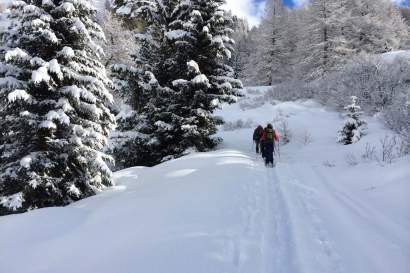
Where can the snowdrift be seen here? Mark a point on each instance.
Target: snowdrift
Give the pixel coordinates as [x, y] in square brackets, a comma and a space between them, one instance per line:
[176, 217]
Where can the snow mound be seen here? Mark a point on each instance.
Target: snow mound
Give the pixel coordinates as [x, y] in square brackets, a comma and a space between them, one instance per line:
[177, 212]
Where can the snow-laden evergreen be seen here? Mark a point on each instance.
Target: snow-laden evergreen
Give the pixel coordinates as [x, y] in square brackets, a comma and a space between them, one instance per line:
[54, 115]
[354, 126]
[180, 76]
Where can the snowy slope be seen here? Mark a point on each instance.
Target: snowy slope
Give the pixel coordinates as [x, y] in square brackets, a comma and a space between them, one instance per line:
[223, 211]
[100, 5]
[391, 56]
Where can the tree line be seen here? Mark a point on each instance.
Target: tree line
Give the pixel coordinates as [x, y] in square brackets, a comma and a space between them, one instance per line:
[331, 50]
[309, 42]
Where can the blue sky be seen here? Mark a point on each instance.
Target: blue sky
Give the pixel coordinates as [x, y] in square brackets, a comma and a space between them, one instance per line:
[253, 9]
[291, 3]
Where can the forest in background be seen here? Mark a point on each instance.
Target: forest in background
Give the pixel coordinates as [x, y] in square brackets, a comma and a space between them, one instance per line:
[331, 50]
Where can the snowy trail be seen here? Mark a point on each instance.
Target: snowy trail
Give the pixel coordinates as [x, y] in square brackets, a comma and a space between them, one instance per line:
[224, 212]
[310, 226]
[334, 225]
[315, 221]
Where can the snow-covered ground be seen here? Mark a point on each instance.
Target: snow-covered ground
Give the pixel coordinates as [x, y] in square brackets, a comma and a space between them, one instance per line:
[224, 212]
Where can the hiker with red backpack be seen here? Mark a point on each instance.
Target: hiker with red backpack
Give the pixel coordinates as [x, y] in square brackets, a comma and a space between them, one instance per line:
[257, 137]
[268, 144]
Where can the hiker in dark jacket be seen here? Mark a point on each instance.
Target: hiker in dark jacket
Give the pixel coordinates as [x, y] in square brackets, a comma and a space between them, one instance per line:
[257, 136]
[268, 143]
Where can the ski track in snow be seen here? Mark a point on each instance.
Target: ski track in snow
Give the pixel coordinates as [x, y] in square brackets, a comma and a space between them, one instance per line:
[302, 199]
[278, 229]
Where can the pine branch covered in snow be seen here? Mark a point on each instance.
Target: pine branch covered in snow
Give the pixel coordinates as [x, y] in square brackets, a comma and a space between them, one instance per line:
[55, 116]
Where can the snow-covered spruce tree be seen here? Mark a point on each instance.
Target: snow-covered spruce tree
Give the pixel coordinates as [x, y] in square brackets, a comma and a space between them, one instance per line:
[55, 120]
[212, 46]
[206, 78]
[143, 133]
[197, 123]
[354, 126]
[181, 75]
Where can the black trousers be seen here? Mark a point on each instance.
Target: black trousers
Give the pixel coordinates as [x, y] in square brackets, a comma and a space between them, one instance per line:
[258, 146]
[268, 149]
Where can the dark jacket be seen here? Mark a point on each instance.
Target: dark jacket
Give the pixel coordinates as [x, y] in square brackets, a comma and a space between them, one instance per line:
[258, 134]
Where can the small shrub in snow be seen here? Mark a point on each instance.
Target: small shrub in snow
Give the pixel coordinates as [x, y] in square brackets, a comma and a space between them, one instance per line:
[351, 159]
[239, 124]
[391, 147]
[388, 149]
[307, 137]
[354, 127]
[369, 153]
[403, 147]
[329, 164]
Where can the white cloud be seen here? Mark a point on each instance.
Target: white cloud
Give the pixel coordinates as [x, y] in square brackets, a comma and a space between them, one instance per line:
[399, 1]
[299, 3]
[246, 9]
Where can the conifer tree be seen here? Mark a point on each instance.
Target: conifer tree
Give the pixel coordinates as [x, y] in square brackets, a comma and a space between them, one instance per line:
[180, 77]
[213, 46]
[354, 127]
[147, 132]
[265, 60]
[56, 117]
